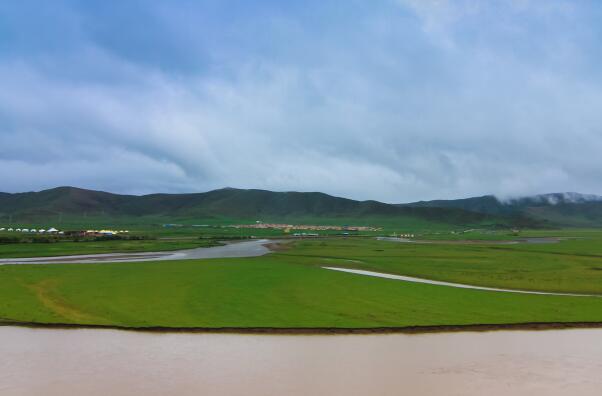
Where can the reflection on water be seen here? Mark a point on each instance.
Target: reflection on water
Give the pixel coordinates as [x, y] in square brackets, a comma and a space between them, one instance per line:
[108, 362]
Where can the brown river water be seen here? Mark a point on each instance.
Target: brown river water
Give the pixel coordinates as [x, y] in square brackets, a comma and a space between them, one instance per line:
[58, 362]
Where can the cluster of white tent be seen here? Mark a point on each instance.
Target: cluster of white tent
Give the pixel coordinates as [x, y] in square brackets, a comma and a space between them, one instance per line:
[51, 230]
[106, 232]
[394, 235]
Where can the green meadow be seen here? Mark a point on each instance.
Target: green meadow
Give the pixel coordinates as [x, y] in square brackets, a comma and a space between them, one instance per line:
[570, 266]
[290, 289]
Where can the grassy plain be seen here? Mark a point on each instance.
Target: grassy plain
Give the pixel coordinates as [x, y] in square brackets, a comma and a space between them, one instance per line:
[290, 289]
[571, 266]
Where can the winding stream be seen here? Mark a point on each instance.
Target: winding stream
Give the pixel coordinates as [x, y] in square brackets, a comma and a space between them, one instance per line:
[451, 284]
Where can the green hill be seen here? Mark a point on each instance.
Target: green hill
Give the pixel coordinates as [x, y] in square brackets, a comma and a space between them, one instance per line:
[560, 209]
[239, 205]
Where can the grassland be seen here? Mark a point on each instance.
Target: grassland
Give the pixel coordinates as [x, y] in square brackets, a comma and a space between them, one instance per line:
[156, 237]
[289, 289]
[570, 266]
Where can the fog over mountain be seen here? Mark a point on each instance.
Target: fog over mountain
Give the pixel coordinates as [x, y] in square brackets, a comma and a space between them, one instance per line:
[556, 209]
[394, 100]
[553, 198]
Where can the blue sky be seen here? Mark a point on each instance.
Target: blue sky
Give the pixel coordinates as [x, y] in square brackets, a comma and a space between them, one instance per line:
[396, 100]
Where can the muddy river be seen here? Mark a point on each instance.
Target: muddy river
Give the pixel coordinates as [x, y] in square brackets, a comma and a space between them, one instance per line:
[252, 248]
[109, 362]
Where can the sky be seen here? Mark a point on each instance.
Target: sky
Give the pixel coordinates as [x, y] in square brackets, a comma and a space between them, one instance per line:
[393, 100]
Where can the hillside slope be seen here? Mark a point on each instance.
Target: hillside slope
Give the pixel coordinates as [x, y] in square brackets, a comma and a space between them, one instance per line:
[562, 209]
[230, 203]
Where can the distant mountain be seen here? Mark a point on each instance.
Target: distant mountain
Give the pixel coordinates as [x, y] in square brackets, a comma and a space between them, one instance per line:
[241, 205]
[563, 209]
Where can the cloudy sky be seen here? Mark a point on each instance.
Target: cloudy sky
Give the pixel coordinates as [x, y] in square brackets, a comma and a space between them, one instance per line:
[395, 100]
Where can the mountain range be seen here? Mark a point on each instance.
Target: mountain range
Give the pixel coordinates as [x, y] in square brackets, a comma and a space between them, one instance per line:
[231, 204]
[559, 209]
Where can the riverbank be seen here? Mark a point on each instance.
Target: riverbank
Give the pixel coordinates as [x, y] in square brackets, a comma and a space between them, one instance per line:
[535, 326]
[247, 248]
[121, 246]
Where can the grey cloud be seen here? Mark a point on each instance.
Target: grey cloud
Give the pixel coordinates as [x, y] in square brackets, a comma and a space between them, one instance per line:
[390, 113]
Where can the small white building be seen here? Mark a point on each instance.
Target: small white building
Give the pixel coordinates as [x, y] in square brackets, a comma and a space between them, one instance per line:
[52, 230]
[33, 230]
[24, 230]
[10, 229]
[2, 229]
[41, 230]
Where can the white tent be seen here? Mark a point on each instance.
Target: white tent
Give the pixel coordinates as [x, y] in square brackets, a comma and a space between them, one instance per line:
[52, 229]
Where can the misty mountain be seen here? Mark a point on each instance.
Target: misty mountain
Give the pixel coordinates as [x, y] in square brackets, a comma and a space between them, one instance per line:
[562, 209]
